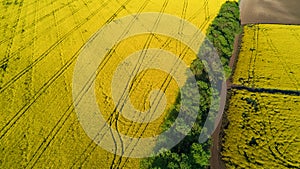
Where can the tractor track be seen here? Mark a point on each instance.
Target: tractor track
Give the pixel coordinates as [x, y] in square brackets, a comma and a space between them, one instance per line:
[117, 162]
[33, 39]
[21, 112]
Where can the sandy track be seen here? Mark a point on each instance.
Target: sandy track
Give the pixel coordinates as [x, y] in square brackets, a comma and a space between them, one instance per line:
[270, 11]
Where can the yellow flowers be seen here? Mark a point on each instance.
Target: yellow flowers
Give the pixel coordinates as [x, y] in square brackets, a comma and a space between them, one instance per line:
[262, 128]
[269, 57]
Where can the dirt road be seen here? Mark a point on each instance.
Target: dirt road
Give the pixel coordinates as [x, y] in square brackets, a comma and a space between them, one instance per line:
[270, 11]
[215, 160]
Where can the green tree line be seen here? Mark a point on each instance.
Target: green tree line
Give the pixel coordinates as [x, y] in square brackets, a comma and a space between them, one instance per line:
[189, 153]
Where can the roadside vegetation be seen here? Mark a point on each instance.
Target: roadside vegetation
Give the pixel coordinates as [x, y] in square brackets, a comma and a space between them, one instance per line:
[189, 153]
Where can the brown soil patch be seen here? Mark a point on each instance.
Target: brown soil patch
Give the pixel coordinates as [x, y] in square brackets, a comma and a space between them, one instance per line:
[270, 11]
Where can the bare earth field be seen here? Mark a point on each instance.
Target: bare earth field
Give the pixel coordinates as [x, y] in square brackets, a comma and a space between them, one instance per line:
[270, 11]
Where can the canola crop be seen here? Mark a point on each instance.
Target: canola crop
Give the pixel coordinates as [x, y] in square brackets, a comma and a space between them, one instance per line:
[269, 57]
[261, 127]
[263, 131]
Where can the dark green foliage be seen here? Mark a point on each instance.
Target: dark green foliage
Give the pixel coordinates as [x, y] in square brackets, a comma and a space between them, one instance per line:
[197, 157]
[223, 30]
[189, 153]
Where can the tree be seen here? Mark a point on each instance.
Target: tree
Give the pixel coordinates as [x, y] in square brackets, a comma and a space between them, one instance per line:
[189, 153]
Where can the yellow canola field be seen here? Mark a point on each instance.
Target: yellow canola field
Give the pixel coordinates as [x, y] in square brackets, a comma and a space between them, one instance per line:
[263, 131]
[39, 44]
[145, 82]
[269, 57]
[262, 119]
